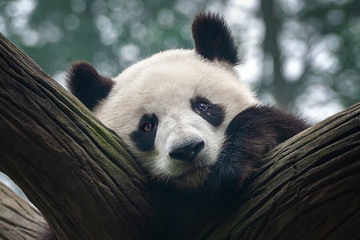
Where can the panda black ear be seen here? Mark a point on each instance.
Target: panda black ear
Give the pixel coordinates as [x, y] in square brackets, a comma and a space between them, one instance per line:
[87, 84]
[213, 38]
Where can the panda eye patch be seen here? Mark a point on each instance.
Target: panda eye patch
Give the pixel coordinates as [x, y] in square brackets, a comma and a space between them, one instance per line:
[144, 136]
[212, 113]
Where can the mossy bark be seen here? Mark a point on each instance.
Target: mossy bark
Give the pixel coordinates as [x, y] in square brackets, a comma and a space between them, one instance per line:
[67, 163]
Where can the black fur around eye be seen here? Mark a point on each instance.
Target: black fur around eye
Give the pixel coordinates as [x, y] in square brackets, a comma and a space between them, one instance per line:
[144, 137]
[212, 113]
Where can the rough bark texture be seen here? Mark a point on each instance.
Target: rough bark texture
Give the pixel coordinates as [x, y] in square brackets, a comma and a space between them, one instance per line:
[18, 219]
[68, 164]
[87, 186]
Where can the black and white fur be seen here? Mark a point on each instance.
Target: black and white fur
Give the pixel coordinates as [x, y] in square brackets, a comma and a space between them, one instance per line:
[185, 114]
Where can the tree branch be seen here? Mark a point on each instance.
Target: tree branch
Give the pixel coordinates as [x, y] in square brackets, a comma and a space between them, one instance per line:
[68, 164]
[18, 219]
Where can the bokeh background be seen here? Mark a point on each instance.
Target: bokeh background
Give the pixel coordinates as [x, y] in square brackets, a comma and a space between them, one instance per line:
[302, 55]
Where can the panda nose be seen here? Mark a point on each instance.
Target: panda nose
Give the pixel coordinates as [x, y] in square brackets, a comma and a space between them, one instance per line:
[187, 152]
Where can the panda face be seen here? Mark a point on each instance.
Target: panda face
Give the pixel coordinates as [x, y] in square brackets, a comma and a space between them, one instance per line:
[172, 111]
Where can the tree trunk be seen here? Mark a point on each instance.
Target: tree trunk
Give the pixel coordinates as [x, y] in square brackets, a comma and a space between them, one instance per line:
[273, 78]
[74, 170]
[18, 219]
[78, 174]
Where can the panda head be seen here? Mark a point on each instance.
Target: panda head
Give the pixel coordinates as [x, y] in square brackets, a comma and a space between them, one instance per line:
[173, 108]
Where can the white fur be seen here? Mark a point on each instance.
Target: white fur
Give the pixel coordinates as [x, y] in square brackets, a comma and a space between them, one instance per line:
[164, 84]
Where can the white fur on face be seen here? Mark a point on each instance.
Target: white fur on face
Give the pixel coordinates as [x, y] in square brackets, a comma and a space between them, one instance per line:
[163, 85]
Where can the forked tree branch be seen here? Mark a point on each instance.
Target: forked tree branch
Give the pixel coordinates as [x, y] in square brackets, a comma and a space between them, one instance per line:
[79, 175]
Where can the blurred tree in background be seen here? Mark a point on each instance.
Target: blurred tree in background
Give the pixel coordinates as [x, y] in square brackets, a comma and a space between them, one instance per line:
[111, 34]
[299, 54]
[311, 50]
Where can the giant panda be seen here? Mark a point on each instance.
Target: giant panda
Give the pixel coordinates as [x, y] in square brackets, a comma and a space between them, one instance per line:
[185, 114]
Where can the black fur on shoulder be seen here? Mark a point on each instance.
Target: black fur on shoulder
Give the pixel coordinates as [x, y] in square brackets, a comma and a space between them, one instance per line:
[213, 38]
[87, 84]
[48, 234]
[250, 135]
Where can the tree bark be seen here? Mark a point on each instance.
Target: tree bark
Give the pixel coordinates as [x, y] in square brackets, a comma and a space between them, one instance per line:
[73, 169]
[78, 174]
[18, 219]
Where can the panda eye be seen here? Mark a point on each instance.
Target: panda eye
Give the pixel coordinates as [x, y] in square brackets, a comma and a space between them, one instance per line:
[148, 127]
[145, 134]
[212, 112]
[203, 106]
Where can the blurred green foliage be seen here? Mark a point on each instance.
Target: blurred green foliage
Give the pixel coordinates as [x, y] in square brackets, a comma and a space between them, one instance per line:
[110, 34]
[328, 34]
